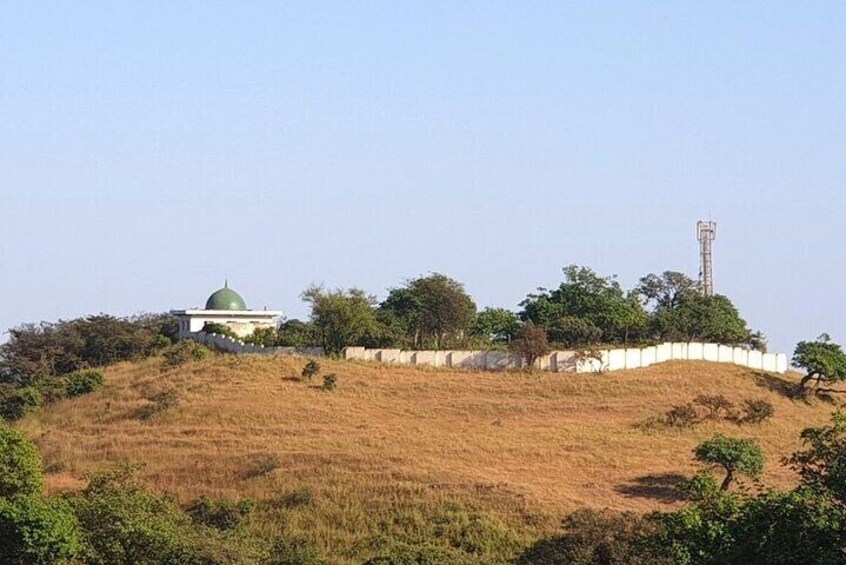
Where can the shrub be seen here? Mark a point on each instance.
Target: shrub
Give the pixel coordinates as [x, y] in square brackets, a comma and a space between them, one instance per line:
[220, 329]
[400, 553]
[596, 537]
[126, 524]
[21, 402]
[34, 530]
[83, 382]
[302, 496]
[530, 344]
[330, 381]
[20, 464]
[681, 416]
[160, 402]
[717, 405]
[311, 369]
[756, 411]
[52, 389]
[293, 552]
[263, 466]
[180, 353]
[262, 336]
[220, 513]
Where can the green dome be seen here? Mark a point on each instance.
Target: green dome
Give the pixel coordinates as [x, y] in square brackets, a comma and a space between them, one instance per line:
[225, 299]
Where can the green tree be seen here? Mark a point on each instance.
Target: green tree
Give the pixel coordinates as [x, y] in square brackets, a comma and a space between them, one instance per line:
[703, 318]
[530, 343]
[35, 530]
[430, 310]
[733, 455]
[296, 333]
[341, 317]
[822, 464]
[823, 362]
[20, 464]
[667, 291]
[597, 302]
[497, 325]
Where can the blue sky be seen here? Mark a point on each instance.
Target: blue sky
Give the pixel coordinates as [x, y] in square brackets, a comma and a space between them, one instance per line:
[150, 150]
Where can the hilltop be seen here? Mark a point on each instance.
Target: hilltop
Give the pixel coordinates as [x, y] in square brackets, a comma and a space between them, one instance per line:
[394, 443]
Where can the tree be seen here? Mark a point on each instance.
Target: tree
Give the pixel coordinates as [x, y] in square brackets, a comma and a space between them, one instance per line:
[668, 290]
[530, 343]
[20, 464]
[341, 317]
[704, 318]
[296, 333]
[733, 455]
[822, 464]
[586, 305]
[35, 530]
[430, 310]
[497, 325]
[823, 362]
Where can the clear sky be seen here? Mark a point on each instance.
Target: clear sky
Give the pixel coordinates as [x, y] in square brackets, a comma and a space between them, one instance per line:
[148, 150]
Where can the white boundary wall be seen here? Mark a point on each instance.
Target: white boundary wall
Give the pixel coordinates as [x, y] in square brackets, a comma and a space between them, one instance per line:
[571, 362]
[556, 362]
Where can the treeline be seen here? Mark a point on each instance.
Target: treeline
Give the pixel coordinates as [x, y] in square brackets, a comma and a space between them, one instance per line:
[436, 312]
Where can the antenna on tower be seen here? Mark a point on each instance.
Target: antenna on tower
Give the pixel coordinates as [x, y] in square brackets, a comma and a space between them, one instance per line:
[706, 232]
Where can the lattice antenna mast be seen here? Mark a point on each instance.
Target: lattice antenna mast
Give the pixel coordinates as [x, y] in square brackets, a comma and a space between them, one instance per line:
[706, 232]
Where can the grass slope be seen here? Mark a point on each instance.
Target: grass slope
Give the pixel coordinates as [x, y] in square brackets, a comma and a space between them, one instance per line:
[394, 449]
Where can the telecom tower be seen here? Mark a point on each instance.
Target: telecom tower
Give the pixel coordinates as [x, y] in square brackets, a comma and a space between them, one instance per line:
[706, 232]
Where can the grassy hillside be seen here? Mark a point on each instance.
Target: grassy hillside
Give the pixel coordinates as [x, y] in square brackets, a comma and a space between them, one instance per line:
[395, 451]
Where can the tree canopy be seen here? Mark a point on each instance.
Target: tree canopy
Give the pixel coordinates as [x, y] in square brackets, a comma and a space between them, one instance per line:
[341, 317]
[733, 455]
[822, 360]
[432, 310]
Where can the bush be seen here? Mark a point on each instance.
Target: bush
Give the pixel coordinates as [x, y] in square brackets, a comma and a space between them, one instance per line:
[330, 381]
[293, 552]
[311, 369]
[263, 466]
[596, 537]
[717, 405]
[83, 382]
[180, 353]
[220, 329]
[34, 530]
[682, 416]
[530, 344]
[160, 402]
[756, 411]
[21, 402]
[220, 513]
[126, 524]
[20, 464]
[400, 553]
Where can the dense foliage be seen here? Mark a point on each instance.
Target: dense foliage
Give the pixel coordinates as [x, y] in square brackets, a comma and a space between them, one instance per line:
[38, 351]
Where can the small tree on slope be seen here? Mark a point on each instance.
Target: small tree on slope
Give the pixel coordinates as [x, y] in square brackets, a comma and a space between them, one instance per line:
[733, 455]
[823, 362]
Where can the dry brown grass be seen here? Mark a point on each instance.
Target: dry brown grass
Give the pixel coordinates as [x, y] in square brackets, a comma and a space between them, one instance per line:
[527, 448]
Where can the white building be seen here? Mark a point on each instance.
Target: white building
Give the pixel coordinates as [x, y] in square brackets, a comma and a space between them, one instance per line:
[227, 308]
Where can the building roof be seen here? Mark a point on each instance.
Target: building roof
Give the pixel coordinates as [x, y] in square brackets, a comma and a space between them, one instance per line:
[225, 299]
